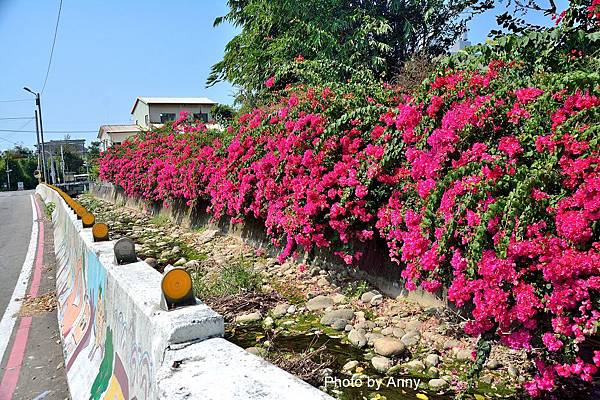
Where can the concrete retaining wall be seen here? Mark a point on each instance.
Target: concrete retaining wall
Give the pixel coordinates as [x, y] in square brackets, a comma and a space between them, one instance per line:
[119, 344]
[375, 266]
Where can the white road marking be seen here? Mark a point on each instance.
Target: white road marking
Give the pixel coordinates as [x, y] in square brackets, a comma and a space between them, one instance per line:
[9, 318]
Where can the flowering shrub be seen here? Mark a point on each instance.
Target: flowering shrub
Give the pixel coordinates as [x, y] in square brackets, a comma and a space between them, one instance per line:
[485, 181]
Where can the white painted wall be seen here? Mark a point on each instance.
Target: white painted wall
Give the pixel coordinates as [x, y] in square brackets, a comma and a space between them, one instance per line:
[119, 343]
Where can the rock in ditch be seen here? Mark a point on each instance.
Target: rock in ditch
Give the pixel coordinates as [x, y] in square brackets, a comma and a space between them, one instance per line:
[357, 338]
[437, 384]
[246, 318]
[381, 364]
[280, 310]
[331, 316]
[319, 303]
[388, 347]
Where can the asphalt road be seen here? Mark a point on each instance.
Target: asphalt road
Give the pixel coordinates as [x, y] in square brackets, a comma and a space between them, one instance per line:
[31, 365]
[15, 232]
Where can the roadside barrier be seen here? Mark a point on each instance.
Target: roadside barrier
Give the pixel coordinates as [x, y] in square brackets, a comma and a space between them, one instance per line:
[120, 342]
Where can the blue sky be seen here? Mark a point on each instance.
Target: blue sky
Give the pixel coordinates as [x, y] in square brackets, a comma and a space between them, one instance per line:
[108, 52]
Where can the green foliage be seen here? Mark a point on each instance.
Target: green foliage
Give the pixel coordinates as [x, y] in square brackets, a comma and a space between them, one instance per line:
[49, 209]
[160, 220]
[22, 163]
[322, 41]
[223, 114]
[356, 289]
[238, 277]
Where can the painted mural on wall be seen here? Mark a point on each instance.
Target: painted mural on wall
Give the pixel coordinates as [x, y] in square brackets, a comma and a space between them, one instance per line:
[103, 360]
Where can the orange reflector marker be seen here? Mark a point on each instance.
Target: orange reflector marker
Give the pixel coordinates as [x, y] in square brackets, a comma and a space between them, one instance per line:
[88, 220]
[100, 232]
[177, 290]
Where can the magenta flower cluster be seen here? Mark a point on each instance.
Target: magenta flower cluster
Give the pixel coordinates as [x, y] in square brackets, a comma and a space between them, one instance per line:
[476, 184]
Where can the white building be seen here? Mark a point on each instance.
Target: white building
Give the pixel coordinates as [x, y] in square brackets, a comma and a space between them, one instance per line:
[152, 111]
[115, 134]
[149, 112]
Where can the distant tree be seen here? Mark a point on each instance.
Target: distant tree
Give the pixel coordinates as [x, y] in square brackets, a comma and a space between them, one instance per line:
[22, 164]
[93, 154]
[73, 160]
[222, 113]
[289, 41]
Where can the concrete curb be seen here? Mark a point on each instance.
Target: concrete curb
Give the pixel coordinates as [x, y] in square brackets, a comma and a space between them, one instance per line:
[119, 343]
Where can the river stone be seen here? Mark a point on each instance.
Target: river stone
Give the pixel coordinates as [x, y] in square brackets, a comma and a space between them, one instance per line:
[268, 322]
[292, 309]
[415, 365]
[350, 365]
[432, 360]
[339, 298]
[357, 338]
[413, 325]
[398, 332]
[151, 262]
[250, 317]
[464, 354]
[331, 316]
[387, 331]
[180, 262]
[280, 310]
[319, 303]
[437, 384]
[376, 300]
[339, 324]
[493, 364]
[388, 347]
[381, 364]
[372, 337]
[411, 338]
[368, 296]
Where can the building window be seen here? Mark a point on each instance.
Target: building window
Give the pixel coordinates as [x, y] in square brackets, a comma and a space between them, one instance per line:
[167, 117]
[201, 117]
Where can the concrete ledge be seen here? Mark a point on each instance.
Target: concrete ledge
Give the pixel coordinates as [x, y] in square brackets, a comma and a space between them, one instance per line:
[221, 370]
[119, 344]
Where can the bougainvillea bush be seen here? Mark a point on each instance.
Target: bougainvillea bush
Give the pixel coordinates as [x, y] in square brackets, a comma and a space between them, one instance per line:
[485, 180]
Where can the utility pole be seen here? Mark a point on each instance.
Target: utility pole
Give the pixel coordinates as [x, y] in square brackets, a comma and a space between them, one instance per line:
[38, 103]
[8, 171]
[39, 146]
[62, 157]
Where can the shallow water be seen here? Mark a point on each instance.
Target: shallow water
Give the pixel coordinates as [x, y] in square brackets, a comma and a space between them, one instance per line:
[293, 341]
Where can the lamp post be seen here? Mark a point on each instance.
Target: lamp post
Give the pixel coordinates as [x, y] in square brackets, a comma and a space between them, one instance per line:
[38, 103]
[8, 171]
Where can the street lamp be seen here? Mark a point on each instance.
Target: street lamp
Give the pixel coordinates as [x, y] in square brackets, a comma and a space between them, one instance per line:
[38, 103]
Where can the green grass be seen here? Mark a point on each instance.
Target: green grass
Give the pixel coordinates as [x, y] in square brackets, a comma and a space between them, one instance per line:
[356, 289]
[191, 253]
[230, 280]
[160, 220]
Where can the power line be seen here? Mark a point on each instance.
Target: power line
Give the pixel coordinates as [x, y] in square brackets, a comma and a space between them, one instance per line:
[5, 118]
[53, 43]
[45, 131]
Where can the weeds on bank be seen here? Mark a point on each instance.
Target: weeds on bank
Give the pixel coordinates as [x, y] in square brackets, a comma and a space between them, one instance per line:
[49, 208]
[356, 289]
[160, 220]
[236, 278]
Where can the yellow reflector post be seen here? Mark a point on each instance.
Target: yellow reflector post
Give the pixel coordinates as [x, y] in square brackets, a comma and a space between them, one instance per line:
[88, 219]
[100, 232]
[177, 290]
